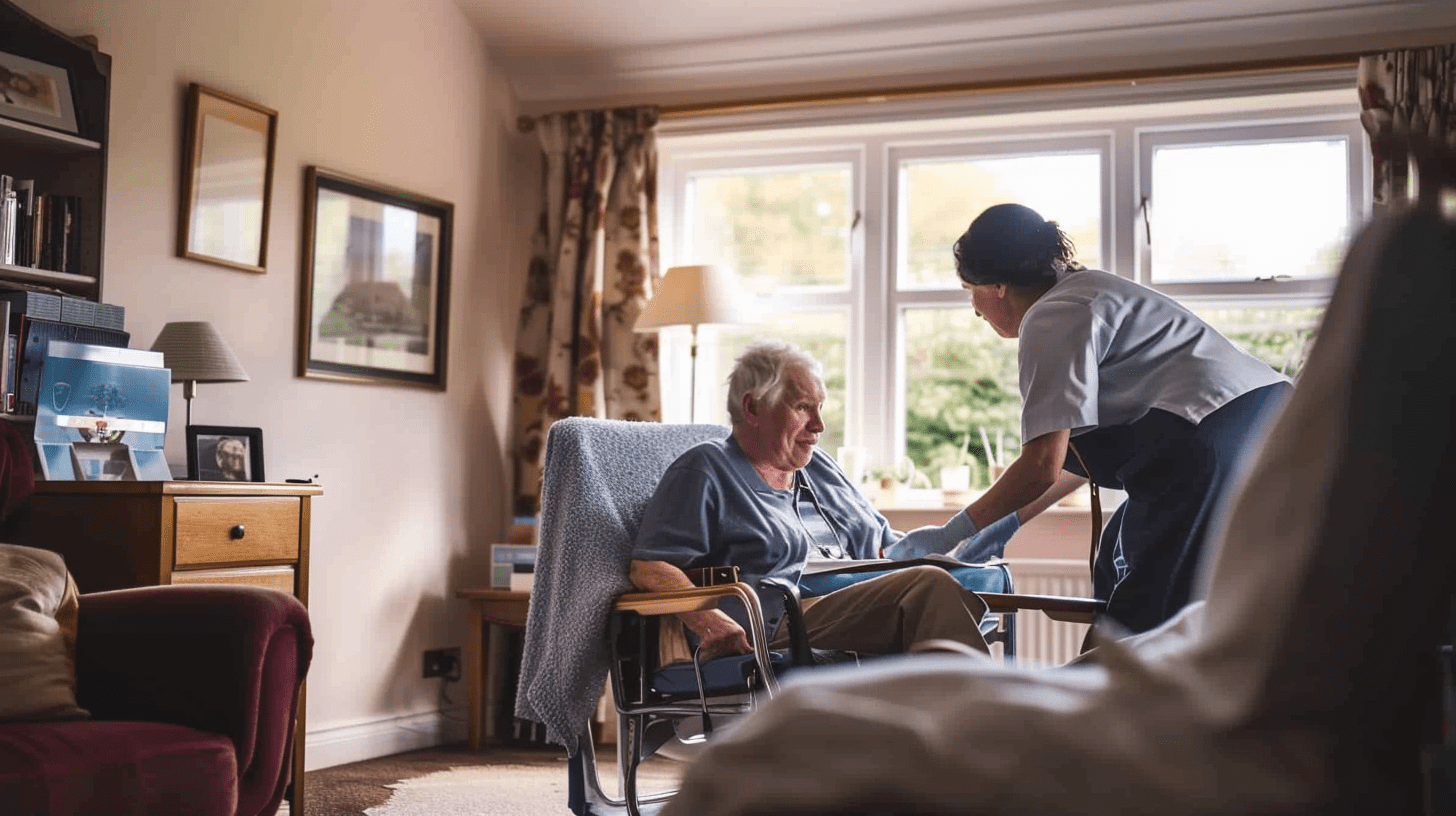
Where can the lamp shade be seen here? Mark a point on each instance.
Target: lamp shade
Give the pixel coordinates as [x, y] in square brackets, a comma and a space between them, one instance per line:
[693, 296]
[197, 353]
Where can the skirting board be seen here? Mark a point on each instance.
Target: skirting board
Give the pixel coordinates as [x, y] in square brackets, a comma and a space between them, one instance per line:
[327, 747]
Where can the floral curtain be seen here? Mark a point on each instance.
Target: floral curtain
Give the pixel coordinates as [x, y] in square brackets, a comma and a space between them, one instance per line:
[1406, 92]
[593, 261]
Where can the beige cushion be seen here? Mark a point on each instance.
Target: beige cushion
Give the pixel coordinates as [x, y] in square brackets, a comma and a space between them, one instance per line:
[38, 610]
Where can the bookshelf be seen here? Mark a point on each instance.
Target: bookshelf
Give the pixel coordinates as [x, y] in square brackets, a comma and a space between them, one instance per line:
[60, 163]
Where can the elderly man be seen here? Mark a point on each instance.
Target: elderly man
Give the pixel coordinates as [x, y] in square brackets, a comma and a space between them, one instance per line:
[768, 501]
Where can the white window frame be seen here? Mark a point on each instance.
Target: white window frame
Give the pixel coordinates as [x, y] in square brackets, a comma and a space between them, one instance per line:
[1291, 126]
[877, 141]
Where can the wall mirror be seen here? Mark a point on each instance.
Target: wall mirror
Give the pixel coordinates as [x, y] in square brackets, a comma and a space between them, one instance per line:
[227, 180]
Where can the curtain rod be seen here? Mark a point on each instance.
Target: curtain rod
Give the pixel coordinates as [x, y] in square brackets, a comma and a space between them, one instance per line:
[528, 123]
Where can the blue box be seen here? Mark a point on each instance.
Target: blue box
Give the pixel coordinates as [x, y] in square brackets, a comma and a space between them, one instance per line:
[101, 413]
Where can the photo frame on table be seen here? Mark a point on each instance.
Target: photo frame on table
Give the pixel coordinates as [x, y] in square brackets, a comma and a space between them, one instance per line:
[227, 180]
[37, 93]
[224, 453]
[375, 303]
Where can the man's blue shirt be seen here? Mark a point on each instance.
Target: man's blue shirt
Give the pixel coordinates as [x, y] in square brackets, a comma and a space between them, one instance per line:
[713, 509]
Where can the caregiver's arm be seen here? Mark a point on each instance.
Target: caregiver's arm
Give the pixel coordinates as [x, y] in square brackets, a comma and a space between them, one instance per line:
[1065, 484]
[1027, 481]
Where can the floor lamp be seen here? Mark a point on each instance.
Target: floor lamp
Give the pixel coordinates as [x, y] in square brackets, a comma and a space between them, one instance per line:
[694, 296]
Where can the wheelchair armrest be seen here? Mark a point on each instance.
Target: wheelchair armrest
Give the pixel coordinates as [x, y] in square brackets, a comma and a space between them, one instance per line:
[678, 601]
[799, 652]
[1056, 607]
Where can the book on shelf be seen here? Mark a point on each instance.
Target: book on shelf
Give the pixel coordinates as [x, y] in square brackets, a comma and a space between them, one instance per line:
[40, 230]
[9, 213]
[7, 388]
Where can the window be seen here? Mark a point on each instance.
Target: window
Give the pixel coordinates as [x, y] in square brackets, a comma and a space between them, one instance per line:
[1238, 205]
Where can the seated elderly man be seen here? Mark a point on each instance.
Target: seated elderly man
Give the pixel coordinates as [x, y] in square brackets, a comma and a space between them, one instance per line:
[768, 501]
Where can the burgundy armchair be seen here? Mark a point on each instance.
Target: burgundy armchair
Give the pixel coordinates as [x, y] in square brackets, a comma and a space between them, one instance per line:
[193, 692]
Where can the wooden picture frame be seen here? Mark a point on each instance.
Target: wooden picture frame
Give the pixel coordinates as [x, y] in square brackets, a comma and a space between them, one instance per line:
[375, 304]
[224, 453]
[227, 180]
[36, 93]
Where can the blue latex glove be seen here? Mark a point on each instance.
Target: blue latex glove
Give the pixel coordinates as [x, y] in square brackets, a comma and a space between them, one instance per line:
[958, 538]
[989, 542]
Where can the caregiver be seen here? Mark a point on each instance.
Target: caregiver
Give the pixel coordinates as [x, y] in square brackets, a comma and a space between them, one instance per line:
[1122, 384]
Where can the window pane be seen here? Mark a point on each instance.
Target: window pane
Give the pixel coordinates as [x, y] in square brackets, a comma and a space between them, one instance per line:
[774, 227]
[1246, 211]
[960, 377]
[940, 197]
[825, 335]
[1278, 336]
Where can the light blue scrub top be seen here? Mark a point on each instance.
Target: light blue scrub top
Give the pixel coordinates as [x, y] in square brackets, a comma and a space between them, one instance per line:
[1098, 350]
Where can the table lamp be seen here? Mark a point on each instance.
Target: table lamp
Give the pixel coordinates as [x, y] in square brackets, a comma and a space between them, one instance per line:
[196, 353]
[694, 296]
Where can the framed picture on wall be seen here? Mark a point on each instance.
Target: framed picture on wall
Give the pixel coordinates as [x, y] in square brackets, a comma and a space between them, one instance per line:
[222, 453]
[375, 304]
[37, 93]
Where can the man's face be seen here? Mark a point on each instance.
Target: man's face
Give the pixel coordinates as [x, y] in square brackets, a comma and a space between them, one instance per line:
[231, 458]
[790, 429]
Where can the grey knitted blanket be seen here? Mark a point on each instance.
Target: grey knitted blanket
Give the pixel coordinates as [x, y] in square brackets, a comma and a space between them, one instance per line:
[599, 474]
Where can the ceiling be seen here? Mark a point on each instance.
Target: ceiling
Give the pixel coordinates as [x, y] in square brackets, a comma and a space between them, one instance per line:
[560, 52]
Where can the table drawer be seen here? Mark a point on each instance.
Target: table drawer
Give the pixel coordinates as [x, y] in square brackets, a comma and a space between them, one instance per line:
[271, 577]
[204, 530]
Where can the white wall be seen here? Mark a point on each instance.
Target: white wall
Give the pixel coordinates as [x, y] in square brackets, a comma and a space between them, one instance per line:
[415, 486]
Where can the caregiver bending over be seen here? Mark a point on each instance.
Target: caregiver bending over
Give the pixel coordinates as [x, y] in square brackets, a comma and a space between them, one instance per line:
[1117, 376]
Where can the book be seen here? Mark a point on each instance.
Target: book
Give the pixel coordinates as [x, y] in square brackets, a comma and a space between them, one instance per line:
[42, 305]
[45, 304]
[25, 222]
[6, 367]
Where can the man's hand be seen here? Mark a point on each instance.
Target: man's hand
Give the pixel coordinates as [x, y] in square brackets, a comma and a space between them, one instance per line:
[717, 633]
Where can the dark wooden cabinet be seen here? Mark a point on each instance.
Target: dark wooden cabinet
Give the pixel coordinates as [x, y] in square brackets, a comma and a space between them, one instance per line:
[61, 163]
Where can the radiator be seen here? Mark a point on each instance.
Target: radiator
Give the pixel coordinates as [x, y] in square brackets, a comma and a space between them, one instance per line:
[1041, 641]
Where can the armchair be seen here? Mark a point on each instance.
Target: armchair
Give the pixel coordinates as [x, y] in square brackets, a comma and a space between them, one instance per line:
[193, 694]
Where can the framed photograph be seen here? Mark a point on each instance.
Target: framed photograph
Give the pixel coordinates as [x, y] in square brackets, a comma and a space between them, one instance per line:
[376, 283]
[221, 453]
[227, 180]
[37, 93]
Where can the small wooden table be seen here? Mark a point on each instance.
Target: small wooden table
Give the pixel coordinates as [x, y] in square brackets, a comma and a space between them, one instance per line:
[490, 609]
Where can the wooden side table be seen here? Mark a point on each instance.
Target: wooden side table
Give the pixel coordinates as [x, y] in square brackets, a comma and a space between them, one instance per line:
[116, 535]
[490, 609]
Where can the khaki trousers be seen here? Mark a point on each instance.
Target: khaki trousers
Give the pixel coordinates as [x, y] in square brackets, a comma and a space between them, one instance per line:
[891, 613]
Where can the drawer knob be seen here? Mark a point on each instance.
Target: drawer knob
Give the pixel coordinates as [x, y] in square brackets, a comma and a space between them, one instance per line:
[237, 532]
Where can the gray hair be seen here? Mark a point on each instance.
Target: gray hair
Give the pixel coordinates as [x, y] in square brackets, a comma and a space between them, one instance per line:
[760, 372]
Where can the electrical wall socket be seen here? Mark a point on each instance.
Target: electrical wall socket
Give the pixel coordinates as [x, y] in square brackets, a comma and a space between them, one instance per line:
[443, 663]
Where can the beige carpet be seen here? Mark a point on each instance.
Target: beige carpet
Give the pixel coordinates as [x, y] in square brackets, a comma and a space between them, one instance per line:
[453, 781]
